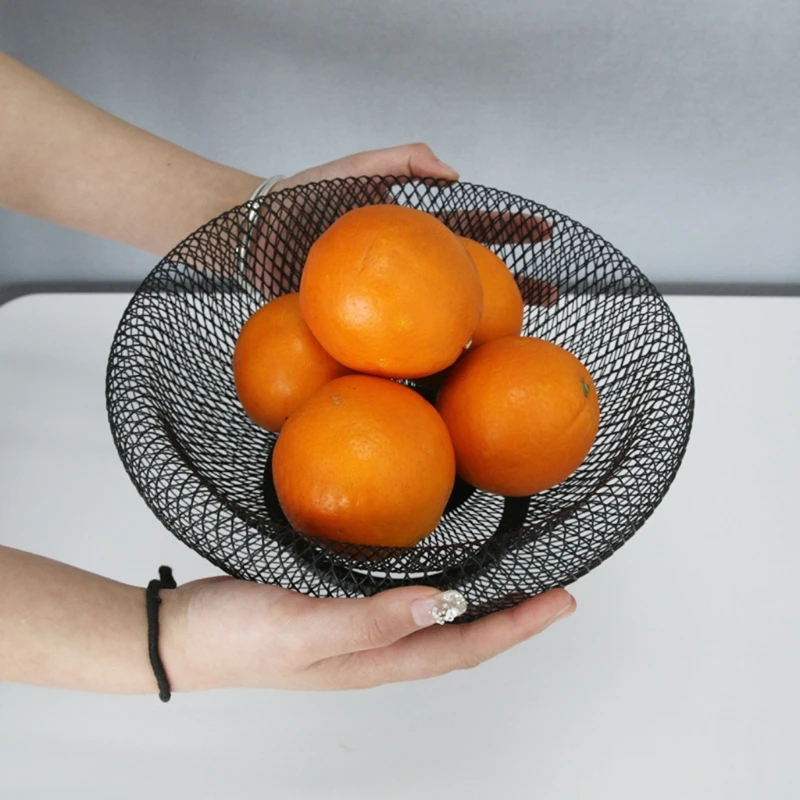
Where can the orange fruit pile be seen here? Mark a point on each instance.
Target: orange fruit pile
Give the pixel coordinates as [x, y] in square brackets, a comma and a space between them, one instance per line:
[391, 293]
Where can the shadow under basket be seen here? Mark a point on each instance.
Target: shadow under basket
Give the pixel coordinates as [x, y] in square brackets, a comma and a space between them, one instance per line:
[204, 468]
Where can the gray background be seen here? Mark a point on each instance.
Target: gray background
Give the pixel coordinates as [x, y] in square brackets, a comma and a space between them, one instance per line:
[671, 128]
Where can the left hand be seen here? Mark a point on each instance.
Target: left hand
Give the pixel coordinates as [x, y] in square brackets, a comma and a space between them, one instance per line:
[418, 161]
[404, 161]
[408, 160]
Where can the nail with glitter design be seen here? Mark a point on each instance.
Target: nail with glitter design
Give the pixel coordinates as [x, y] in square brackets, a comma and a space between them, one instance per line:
[439, 609]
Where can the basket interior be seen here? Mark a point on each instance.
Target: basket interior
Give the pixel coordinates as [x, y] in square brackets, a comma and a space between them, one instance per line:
[204, 468]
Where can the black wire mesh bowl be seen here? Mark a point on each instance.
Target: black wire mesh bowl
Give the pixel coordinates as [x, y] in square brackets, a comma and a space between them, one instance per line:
[204, 468]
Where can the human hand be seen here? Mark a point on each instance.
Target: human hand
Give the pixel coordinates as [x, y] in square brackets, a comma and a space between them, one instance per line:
[418, 161]
[409, 160]
[222, 632]
[276, 222]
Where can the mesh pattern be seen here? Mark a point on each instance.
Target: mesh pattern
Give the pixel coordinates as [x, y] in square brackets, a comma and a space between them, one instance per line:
[204, 468]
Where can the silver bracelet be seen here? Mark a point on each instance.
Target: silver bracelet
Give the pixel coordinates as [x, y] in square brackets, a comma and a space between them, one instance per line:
[264, 188]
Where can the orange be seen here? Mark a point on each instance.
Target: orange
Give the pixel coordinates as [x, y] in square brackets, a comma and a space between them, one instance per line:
[278, 364]
[522, 413]
[502, 300]
[391, 291]
[365, 460]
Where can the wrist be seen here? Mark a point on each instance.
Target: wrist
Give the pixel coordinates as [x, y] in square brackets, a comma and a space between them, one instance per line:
[189, 663]
[173, 641]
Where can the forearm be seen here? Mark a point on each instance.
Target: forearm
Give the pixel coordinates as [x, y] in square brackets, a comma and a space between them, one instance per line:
[66, 161]
[66, 628]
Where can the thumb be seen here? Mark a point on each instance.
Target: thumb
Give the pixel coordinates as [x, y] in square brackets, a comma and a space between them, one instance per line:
[368, 623]
[406, 160]
[411, 160]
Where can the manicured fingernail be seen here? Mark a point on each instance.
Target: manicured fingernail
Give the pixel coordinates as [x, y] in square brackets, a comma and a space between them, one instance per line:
[439, 609]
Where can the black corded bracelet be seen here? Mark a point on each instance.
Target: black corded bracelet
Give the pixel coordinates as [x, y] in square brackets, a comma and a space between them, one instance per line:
[153, 601]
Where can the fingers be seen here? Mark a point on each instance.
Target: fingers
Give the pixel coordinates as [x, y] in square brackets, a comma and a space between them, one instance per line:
[436, 651]
[408, 160]
[495, 227]
[536, 292]
[397, 164]
[344, 626]
[413, 161]
[417, 160]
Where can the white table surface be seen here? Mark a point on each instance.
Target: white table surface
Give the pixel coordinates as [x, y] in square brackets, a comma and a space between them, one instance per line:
[677, 678]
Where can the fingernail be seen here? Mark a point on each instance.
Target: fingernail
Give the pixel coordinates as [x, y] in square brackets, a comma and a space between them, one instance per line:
[439, 609]
[446, 166]
[567, 611]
